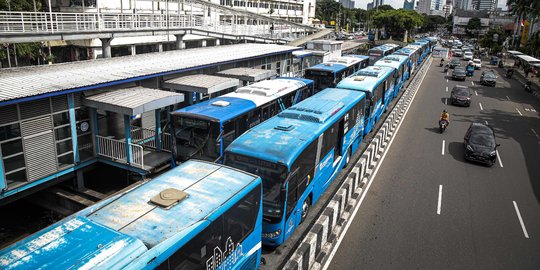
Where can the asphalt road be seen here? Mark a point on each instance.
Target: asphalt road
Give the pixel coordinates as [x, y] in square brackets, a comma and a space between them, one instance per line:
[428, 208]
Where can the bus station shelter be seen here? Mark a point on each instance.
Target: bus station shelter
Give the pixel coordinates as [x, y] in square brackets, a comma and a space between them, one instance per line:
[201, 87]
[139, 147]
[248, 76]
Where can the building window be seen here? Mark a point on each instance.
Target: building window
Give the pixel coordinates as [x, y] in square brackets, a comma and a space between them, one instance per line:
[12, 155]
[85, 144]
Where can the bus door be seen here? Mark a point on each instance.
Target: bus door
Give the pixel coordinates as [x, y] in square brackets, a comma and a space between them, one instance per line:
[293, 211]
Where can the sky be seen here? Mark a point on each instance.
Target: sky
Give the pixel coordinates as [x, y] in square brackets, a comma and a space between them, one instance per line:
[399, 3]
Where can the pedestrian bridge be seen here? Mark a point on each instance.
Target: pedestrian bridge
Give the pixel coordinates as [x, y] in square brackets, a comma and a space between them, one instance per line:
[195, 17]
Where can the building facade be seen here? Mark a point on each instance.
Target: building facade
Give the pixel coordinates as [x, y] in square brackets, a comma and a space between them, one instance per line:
[487, 5]
[423, 6]
[347, 3]
[408, 5]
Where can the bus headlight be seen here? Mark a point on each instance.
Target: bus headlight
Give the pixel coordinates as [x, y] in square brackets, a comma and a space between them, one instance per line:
[272, 234]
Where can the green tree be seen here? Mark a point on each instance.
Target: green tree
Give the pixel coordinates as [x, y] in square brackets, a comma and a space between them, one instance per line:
[474, 25]
[398, 20]
[384, 8]
[327, 10]
[432, 22]
[493, 39]
[19, 5]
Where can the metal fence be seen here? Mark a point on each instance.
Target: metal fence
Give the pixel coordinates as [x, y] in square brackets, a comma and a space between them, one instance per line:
[58, 22]
[116, 151]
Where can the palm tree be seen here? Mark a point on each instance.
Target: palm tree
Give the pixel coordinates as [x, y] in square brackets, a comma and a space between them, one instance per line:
[524, 9]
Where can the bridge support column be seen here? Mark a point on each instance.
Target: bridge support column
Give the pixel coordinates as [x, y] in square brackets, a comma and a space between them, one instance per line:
[180, 42]
[203, 43]
[160, 47]
[217, 41]
[133, 49]
[106, 47]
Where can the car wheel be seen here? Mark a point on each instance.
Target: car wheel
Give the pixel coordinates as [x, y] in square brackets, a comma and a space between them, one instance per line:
[305, 208]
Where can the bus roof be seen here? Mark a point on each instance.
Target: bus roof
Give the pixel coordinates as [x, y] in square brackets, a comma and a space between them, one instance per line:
[115, 231]
[363, 57]
[393, 61]
[366, 79]
[345, 60]
[272, 140]
[244, 99]
[332, 67]
[404, 51]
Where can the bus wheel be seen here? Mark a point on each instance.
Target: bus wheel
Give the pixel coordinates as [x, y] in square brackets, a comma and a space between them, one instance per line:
[305, 208]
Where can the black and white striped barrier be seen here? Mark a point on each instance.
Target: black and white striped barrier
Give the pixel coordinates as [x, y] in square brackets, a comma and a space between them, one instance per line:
[314, 249]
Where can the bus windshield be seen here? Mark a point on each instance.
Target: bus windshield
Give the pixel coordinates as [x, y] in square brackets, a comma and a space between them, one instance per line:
[273, 176]
[322, 79]
[195, 138]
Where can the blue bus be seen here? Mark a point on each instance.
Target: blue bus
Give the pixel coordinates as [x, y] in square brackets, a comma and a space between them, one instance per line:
[381, 51]
[198, 215]
[325, 130]
[401, 68]
[426, 48]
[378, 85]
[330, 73]
[419, 51]
[205, 129]
[413, 57]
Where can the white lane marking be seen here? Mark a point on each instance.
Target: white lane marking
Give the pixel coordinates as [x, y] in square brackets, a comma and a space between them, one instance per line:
[519, 112]
[499, 158]
[536, 134]
[521, 220]
[481, 108]
[446, 80]
[472, 83]
[442, 151]
[447, 89]
[486, 123]
[351, 218]
[439, 202]
[476, 93]
[507, 98]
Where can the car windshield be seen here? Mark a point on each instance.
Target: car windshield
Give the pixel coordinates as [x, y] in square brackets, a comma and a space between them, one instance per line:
[459, 70]
[477, 61]
[461, 92]
[489, 75]
[482, 139]
[455, 61]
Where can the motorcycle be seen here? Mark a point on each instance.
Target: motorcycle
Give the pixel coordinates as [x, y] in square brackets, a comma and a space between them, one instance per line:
[441, 64]
[527, 86]
[509, 73]
[446, 68]
[442, 125]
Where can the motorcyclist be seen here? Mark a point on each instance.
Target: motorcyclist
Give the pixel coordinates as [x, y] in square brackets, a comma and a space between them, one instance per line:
[509, 73]
[442, 61]
[445, 117]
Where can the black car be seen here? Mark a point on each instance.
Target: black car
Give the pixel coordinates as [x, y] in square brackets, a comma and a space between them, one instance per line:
[488, 78]
[461, 95]
[454, 63]
[459, 73]
[480, 144]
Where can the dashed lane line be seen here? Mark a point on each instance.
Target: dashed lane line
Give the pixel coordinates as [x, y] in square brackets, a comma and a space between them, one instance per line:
[521, 220]
[519, 112]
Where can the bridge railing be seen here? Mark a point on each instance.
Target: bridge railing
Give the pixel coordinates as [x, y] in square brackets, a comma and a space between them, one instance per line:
[57, 22]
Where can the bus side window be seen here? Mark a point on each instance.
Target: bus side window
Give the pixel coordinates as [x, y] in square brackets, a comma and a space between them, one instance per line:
[329, 140]
[196, 253]
[291, 193]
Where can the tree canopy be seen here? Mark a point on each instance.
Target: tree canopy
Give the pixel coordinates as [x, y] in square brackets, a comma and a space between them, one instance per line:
[19, 5]
[431, 22]
[489, 41]
[474, 25]
[397, 20]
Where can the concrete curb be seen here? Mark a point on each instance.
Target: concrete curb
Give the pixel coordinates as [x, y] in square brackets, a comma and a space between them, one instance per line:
[313, 252]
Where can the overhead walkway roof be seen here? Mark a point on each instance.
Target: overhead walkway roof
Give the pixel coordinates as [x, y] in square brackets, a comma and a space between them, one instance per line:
[248, 74]
[133, 101]
[313, 36]
[28, 83]
[200, 83]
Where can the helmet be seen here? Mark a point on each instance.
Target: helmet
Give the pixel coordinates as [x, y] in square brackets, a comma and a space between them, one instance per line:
[444, 111]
